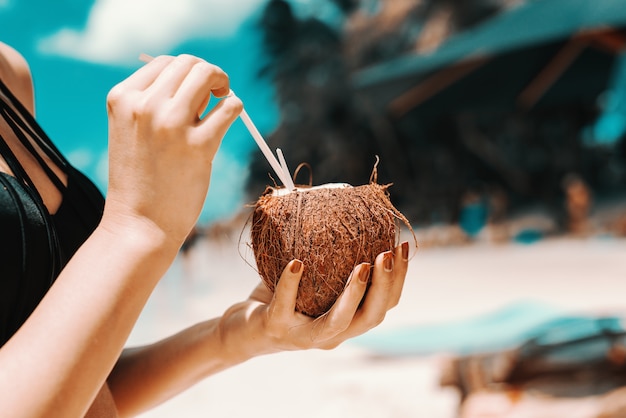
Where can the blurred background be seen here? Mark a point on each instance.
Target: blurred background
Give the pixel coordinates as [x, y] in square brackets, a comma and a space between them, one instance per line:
[501, 125]
[479, 110]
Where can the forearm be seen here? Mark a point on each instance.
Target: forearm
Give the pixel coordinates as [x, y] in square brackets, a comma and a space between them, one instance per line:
[263, 324]
[147, 376]
[61, 356]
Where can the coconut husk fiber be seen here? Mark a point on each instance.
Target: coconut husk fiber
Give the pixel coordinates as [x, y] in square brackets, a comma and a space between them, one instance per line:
[330, 228]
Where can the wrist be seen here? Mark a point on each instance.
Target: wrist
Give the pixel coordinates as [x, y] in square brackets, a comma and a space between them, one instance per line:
[241, 332]
[140, 231]
[138, 247]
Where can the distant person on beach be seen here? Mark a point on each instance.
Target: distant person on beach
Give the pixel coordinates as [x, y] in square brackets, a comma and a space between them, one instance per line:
[578, 202]
[76, 270]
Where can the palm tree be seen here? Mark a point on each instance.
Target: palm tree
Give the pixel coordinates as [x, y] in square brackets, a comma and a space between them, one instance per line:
[327, 124]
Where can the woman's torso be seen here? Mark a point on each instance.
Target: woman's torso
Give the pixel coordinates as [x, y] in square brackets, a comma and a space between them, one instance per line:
[39, 232]
[42, 221]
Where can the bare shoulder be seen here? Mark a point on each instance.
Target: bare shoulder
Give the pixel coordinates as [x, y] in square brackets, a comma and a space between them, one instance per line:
[15, 73]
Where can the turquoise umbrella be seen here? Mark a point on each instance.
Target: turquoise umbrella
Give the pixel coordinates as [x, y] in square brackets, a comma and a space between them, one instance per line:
[541, 53]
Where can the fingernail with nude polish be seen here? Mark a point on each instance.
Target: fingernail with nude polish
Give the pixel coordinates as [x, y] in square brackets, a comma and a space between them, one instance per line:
[405, 251]
[388, 261]
[296, 266]
[364, 272]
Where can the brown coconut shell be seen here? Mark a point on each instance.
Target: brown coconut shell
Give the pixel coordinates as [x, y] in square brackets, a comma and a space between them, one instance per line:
[331, 229]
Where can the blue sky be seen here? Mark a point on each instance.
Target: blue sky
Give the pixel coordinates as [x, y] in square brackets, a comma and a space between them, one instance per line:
[79, 49]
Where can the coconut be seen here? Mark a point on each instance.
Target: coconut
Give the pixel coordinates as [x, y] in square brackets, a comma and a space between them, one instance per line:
[331, 228]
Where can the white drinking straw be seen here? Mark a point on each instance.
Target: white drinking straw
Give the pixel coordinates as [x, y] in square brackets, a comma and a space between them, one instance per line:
[281, 170]
[284, 177]
[145, 57]
[283, 163]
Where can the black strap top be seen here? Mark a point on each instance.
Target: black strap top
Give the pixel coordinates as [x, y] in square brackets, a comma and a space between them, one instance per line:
[34, 244]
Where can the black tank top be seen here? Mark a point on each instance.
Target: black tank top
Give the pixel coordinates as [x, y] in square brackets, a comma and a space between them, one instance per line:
[34, 244]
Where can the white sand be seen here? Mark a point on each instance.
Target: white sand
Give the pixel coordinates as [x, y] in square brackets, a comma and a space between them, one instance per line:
[444, 284]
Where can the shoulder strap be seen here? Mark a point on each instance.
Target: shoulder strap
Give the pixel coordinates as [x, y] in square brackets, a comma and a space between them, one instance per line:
[29, 128]
[30, 133]
[9, 108]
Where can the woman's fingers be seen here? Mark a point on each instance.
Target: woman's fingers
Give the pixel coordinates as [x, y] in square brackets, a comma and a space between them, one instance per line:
[187, 80]
[170, 79]
[376, 302]
[359, 308]
[186, 83]
[384, 293]
[284, 302]
[219, 119]
[400, 267]
[203, 80]
[341, 314]
[145, 76]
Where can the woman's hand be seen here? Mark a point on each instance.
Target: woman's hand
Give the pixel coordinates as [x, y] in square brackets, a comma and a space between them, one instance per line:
[160, 151]
[268, 322]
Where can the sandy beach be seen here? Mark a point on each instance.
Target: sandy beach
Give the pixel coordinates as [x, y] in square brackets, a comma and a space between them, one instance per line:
[444, 285]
